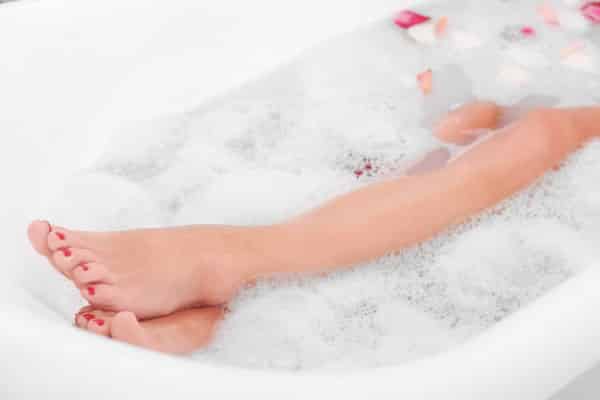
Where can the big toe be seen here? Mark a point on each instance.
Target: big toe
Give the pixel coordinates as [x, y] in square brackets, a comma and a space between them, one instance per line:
[38, 232]
[94, 320]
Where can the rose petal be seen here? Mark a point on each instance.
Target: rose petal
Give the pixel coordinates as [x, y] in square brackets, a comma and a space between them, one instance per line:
[406, 19]
[527, 31]
[548, 13]
[516, 33]
[440, 26]
[592, 11]
[425, 80]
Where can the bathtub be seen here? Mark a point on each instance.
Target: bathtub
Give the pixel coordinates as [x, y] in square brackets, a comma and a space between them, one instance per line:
[73, 69]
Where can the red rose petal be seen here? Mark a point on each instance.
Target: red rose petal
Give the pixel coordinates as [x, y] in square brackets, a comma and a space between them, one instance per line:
[592, 11]
[527, 31]
[407, 19]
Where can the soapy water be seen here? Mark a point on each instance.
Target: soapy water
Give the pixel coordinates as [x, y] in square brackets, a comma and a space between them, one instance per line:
[344, 115]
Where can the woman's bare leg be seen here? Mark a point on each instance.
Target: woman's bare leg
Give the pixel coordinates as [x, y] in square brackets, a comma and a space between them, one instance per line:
[154, 272]
[394, 214]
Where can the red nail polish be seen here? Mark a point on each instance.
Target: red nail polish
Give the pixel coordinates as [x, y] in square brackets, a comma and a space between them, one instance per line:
[61, 236]
[91, 290]
[84, 267]
[66, 251]
[88, 316]
[99, 322]
[49, 225]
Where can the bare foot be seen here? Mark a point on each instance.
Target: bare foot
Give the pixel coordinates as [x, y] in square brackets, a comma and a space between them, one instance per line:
[463, 125]
[180, 333]
[153, 272]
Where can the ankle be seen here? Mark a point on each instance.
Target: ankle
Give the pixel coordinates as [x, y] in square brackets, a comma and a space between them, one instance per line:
[271, 250]
[250, 252]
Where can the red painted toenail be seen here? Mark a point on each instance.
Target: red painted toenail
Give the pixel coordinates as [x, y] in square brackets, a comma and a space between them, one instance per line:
[88, 316]
[66, 251]
[61, 236]
[100, 322]
[49, 225]
[91, 290]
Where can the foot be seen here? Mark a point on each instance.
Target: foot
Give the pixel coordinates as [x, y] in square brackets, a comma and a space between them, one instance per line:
[153, 272]
[464, 124]
[180, 333]
[461, 126]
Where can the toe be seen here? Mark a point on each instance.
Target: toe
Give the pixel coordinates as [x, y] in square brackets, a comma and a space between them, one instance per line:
[82, 320]
[87, 273]
[100, 326]
[38, 233]
[61, 238]
[67, 258]
[101, 295]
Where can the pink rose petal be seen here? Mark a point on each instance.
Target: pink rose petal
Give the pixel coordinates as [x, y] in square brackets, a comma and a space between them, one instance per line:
[548, 14]
[441, 26]
[527, 31]
[425, 80]
[592, 11]
[406, 19]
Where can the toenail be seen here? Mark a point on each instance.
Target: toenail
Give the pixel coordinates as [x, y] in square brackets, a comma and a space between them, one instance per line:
[91, 290]
[61, 236]
[99, 322]
[49, 225]
[88, 316]
[66, 251]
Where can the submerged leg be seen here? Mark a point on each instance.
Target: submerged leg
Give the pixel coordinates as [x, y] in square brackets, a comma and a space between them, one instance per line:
[391, 215]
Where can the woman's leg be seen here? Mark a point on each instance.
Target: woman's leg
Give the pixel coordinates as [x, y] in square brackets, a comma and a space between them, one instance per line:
[391, 215]
[154, 272]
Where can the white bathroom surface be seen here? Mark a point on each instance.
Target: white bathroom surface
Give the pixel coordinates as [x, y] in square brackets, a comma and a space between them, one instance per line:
[126, 115]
